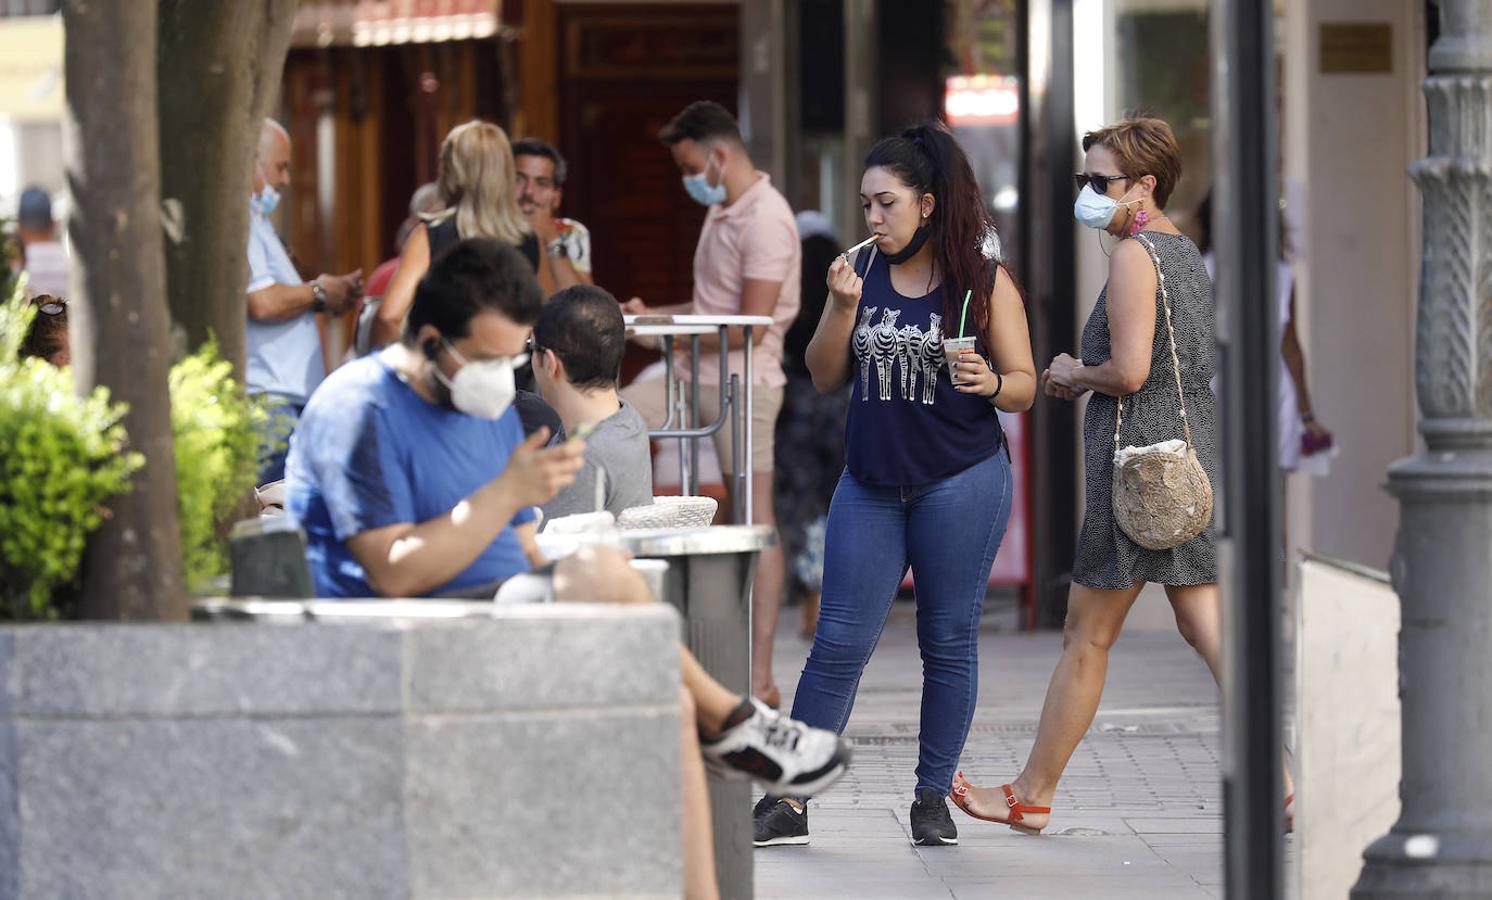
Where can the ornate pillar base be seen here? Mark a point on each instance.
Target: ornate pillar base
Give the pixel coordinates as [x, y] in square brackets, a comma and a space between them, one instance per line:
[1441, 845]
[1443, 866]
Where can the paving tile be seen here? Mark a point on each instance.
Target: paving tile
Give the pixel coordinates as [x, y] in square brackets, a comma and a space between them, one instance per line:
[1138, 815]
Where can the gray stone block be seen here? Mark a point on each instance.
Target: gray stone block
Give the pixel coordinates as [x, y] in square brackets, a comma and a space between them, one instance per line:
[10, 823]
[234, 808]
[9, 678]
[206, 669]
[545, 804]
[612, 656]
[408, 759]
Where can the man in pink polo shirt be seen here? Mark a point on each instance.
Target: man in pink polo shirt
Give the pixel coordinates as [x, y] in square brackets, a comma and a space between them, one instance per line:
[746, 263]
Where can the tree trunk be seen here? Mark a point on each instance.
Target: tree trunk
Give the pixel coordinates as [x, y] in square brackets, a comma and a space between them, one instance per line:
[218, 68]
[132, 569]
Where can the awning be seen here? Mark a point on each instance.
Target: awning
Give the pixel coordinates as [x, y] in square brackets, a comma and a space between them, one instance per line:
[377, 23]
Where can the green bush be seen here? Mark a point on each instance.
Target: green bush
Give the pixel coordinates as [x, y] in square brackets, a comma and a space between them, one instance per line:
[61, 458]
[213, 422]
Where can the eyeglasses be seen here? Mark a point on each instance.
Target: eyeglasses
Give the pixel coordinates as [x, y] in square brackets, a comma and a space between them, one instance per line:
[49, 305]
[1100, 183]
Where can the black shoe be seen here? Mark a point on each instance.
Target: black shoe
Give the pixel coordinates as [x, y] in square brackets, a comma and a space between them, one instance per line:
[931, 824]
[776, 823]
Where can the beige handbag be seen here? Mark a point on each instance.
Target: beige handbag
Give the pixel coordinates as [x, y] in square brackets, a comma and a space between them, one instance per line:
[1161, 495]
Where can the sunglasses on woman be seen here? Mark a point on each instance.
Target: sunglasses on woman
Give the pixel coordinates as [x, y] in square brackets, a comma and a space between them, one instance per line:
[1100, 182]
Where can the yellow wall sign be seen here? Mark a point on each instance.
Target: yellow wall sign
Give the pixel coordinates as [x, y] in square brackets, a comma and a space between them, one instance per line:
[31, 68]
[1357, 47]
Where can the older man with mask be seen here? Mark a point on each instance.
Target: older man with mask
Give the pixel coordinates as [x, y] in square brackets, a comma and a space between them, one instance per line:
[283, 340]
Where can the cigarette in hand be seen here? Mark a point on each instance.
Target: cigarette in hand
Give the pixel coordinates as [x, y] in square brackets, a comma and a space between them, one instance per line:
[860, 245]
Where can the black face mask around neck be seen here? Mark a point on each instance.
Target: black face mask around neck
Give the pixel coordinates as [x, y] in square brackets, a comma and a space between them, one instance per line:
[919, 237]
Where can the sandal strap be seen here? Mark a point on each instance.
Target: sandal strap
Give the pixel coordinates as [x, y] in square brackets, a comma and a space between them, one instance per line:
[1019, 809]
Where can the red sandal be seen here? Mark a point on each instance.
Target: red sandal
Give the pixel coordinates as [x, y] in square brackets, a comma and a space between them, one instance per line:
[960, 797]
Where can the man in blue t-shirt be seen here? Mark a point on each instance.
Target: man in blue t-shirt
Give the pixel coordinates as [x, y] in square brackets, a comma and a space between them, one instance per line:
[409, 470]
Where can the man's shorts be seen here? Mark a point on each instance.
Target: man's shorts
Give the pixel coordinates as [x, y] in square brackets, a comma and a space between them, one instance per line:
[766, 402]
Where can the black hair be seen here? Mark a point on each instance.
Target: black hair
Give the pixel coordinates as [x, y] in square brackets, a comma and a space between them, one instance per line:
[702, 120]
[545, 150]
[475, 275]
[47, 335]
[583, 326]
[928, 160]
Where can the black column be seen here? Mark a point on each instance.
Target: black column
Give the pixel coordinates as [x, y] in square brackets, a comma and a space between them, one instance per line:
[1245, 227]
[1048, 270]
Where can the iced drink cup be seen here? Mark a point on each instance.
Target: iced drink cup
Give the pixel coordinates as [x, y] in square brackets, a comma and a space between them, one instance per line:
[952, 347]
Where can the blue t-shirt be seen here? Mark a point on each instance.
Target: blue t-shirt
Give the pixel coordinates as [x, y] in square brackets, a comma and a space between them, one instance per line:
[906, 424]
[370, 452]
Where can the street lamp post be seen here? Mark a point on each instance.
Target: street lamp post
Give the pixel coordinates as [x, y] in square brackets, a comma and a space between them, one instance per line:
[1441, 846]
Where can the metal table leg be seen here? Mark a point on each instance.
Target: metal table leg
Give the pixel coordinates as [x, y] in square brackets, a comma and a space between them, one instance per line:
[743, 477]
[692, 488]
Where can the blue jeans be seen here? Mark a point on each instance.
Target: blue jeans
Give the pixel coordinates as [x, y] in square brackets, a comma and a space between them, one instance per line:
[948, 533]
[274, 439]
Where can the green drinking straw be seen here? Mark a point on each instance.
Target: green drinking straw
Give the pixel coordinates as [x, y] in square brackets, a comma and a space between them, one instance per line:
[965, 314]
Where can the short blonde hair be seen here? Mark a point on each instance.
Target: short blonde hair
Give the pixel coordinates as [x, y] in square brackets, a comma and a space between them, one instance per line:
[476, 183]
[1144, 146]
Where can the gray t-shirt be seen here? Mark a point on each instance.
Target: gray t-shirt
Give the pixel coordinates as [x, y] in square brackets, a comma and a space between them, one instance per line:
[618, 469]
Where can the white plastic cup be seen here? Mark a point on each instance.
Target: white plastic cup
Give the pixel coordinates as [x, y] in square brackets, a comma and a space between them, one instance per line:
[952, 348]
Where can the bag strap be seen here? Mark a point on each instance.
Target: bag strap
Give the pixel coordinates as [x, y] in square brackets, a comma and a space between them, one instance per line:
[1165, 301]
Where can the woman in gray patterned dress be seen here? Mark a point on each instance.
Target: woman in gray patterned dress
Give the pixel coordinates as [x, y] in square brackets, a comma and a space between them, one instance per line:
[1130, 171]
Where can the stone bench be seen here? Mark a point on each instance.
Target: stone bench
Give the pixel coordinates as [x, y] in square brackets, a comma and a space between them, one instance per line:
[526, 751]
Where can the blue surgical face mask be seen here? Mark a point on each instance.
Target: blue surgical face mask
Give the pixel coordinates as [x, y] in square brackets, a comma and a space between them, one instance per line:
[704, 193]
[1094, 209]
[266, 200]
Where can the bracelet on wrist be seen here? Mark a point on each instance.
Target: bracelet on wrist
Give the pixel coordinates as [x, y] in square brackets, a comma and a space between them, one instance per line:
[1307, 417]
[999, 385]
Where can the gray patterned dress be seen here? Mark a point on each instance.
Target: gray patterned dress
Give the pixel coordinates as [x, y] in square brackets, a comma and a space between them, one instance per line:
[1106, 557]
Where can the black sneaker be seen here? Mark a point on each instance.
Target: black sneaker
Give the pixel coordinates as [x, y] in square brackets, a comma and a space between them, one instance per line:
[776, 823]
[931, 824]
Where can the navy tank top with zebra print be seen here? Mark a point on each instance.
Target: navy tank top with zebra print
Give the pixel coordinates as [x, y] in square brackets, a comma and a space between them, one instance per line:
[906, 423]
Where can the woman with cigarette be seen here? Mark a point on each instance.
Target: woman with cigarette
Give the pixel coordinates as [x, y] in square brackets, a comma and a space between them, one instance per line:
[925, 485]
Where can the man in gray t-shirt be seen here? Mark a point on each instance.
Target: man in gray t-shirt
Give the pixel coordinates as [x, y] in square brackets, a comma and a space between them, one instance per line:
[577, 357]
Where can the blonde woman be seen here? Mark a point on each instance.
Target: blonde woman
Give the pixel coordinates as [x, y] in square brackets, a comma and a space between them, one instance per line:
[478, 191]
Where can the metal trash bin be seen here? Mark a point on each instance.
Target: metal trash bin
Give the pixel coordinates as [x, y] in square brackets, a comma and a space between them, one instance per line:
[268, 559]
[709, 581]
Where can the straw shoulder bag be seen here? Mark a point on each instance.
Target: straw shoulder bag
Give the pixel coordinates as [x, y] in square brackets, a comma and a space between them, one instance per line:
[1162, 497]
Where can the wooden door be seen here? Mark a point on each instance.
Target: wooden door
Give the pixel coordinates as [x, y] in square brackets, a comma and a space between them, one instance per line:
[625, 70]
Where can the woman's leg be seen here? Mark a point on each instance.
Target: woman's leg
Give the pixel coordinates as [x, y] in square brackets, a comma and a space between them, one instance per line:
[952, 537]
[1094, 620]
[1199, 618]
[864, 559]
[699, 842]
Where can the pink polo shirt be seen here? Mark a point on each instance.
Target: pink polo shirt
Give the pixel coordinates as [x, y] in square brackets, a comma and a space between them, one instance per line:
[756, 237]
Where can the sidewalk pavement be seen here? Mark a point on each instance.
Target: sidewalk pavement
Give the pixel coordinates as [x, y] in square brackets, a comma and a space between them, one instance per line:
[1138, 814]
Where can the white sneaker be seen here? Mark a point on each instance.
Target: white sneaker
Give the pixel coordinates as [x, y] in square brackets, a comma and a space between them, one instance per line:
[784, 756]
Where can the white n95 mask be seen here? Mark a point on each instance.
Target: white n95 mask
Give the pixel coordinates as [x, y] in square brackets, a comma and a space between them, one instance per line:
[483, 389]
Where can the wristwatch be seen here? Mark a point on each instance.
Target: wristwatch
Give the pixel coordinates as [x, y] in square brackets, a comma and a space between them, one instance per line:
[557, 249]
[318, 295]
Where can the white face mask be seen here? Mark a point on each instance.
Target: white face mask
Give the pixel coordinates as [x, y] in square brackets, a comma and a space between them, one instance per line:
[482, 389]
[1094, 209]
[699, 187]
[266, 200]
